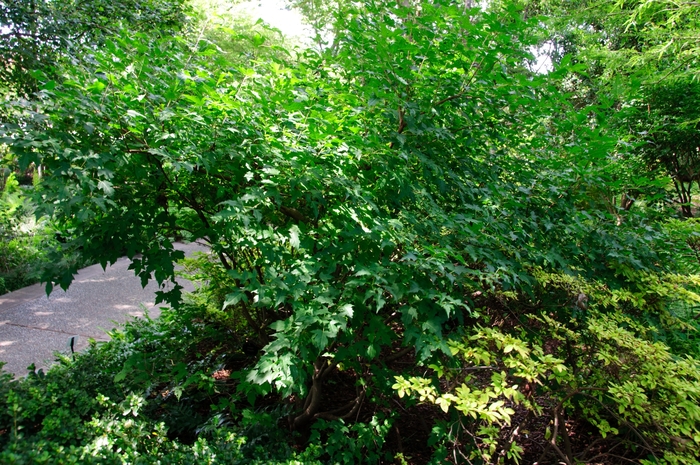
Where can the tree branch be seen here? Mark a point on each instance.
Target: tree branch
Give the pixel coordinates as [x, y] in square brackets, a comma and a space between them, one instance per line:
[398, 354]
[294, 214]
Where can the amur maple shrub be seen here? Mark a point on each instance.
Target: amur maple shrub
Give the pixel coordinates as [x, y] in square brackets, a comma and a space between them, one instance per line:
[403, 220]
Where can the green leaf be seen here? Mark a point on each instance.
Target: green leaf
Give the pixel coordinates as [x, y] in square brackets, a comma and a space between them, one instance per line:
[294, 236]
[106, 187]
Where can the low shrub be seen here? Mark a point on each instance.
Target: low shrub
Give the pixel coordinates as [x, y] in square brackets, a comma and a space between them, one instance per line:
[539, 385]
[158, 392]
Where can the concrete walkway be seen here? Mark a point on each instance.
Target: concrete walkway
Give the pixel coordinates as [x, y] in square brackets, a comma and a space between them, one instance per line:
[33, 327]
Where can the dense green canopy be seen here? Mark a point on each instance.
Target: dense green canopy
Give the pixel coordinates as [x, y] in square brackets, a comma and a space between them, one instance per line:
[413, 192]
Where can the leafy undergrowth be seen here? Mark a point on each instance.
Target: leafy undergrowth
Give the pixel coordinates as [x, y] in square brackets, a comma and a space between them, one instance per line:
[520, 386]
[28, 246]
[158, 391]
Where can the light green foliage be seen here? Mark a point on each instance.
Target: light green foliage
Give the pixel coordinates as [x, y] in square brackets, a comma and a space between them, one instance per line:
[493, 368]
[13, 204]
[650, 390]
[627, 381]
[670, 29]
[28, 243]
[21, 238]
[612, 364]
[323, 18]
[232, 39]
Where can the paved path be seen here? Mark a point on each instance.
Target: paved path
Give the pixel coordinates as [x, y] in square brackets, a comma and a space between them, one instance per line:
[33, 327]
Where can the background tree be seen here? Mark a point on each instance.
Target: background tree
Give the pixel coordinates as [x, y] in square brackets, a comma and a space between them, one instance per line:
[630, 53]
[666, 117]
[35, 33]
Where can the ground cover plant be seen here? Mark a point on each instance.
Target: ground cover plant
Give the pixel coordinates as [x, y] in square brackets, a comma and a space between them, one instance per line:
[421, 251]
[75, 414]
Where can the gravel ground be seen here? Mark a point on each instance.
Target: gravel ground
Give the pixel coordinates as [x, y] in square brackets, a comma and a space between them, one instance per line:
[34, 326]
